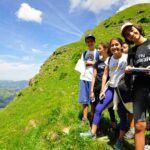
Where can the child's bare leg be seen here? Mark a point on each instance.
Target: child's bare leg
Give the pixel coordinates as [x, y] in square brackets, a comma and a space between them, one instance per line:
[140, 135]
[85, 111]
[94, 128]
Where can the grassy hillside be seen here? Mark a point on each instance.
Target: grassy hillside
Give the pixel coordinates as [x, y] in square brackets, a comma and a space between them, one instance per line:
[41, 114]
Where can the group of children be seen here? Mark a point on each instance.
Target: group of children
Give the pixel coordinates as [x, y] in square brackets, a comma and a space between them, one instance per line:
[109, 68]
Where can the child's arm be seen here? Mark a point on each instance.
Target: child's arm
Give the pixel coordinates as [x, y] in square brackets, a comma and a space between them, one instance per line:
[104, 80]
[93, 83]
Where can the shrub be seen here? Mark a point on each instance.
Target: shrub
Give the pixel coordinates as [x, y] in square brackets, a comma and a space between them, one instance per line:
[62, 76]
[144, 20]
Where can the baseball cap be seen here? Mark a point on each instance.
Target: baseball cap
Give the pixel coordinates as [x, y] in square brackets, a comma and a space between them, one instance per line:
[89, 36]
[125, 25]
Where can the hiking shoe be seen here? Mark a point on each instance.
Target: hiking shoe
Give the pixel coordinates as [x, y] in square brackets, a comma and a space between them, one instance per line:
[118, 145]
[147, 147]
[88, 134]
[130, 134]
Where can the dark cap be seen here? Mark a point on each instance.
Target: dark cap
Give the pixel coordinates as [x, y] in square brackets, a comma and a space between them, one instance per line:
[90, 36]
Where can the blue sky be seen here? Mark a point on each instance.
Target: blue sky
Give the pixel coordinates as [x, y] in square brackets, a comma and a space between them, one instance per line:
[31, 30]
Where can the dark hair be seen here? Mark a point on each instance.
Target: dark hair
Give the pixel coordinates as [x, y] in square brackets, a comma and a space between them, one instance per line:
[106, 45]
[118, 39]
[139, 28]
[124, 43]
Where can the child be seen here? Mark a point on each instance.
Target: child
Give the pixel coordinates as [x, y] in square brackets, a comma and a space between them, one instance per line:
[139, 56]
[99, 66]
[89, 57]
[125, 47]
[114, 69]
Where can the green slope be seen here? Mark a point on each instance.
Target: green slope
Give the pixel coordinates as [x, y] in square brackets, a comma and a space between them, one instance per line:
[40, 113]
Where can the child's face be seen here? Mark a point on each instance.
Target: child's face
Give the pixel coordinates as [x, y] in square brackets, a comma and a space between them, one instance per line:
[125, 48]
[132, 34]
[90, 43]
[102, 51]
[115, 48]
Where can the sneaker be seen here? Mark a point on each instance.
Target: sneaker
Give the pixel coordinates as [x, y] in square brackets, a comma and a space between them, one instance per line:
[118, 145]
[88, 134]
[130, 134]
[147, 147]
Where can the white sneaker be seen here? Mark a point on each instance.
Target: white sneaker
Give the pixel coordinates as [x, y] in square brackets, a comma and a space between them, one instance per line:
[147, 147]
[130, 134]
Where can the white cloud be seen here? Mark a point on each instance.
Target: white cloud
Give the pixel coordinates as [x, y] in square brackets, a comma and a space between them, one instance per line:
[128, 3]
[27, 13]
[11, 58]
[94, 6]
[42, 52]
[34, 50]
[17, 71]
[28, 58]
[54, 17]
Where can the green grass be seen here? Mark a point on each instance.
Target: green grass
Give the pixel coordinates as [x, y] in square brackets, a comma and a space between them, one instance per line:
[35, 120]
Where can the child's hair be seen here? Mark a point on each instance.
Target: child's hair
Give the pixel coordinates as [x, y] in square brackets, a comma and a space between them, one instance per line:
[106, 45]
[118, 39]
[124, 43]
[139, 28]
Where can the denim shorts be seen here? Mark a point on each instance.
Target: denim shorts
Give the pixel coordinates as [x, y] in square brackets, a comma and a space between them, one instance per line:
[84, 93]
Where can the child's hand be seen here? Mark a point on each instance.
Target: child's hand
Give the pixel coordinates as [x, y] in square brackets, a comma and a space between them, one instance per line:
[102, 95]
[92, 95]
[127, 70]
[89, 63]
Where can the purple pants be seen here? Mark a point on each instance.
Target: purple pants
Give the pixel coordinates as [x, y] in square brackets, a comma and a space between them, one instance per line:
[102, 105]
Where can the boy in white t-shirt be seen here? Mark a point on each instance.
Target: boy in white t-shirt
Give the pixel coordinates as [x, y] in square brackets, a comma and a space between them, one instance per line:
[89, 57]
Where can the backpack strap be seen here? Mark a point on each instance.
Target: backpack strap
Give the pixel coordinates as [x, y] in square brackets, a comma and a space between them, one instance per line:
[84, 54]
[108, 66]
[109, 60]
[97, 56]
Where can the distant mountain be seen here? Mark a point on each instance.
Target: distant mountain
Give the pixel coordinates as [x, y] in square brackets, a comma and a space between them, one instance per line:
[9, 89]
[13, 84]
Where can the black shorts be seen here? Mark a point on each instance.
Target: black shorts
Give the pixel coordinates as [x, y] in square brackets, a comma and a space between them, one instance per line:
[141, 101]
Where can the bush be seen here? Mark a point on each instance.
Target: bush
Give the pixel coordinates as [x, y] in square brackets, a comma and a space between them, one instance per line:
[62, 76]
[144, 20]
[76, 57]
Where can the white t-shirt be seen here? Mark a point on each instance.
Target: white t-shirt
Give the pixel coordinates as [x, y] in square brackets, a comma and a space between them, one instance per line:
[116, 69]
[88, 73]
